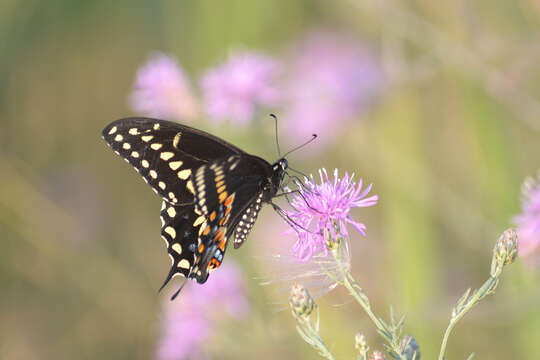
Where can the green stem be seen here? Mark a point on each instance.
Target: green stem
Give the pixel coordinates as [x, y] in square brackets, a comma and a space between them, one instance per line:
[363, 356]
[361, 300]
[310, 334]
[356, 291]
[486, 289]
[319, 344]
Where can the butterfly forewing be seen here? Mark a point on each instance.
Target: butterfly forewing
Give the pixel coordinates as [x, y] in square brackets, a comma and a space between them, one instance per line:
[165, 154]
[180, 236]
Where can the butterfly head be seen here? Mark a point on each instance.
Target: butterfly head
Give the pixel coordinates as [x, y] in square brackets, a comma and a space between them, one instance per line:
[279, 169]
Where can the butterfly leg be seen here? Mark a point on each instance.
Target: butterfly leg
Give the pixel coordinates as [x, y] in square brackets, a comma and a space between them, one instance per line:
[296, 191]
[293, 224]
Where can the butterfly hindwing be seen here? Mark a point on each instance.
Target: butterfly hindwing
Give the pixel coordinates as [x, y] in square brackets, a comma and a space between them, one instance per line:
[223, 190]
[226, 190]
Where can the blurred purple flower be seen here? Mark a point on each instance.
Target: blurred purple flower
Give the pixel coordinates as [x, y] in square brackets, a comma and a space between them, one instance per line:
[235, 89]
[189, 320]
[528, 222]
[183, 334]
[324, 210]
[162, 90]
[331, 80]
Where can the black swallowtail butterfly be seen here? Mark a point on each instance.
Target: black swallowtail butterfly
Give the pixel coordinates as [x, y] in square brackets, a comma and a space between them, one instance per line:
[210, 188]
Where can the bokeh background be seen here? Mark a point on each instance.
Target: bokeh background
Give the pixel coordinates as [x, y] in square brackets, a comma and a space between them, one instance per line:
[435, 103]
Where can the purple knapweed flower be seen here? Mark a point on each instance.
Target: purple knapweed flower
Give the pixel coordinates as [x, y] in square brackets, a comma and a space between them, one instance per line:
[189, 321]
[183, 334]
[322, 211]
[234, 90]
[162, 90]
[332, 79]
[528, 222]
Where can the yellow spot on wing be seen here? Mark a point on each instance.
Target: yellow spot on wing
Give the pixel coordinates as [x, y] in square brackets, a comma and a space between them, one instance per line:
[184, 174]
[198, 221]
[126, 146]
[170, 230]
[145, 163]
[147, 138]
[153, 174]
[113, 130]
[176, 140]
[161, 185]
[166, 156]
[189, 186]
[203, 227]
[156, 126]
[134, 154]
[156, 146]
[177, 247]
[183, 264]
[118, 137]
[171, 211]
[222, 197]
[133, 131]
[175, 164]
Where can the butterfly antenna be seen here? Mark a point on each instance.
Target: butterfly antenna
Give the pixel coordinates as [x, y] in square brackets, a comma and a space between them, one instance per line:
[299, 193]
[314, 136]
[276, 131]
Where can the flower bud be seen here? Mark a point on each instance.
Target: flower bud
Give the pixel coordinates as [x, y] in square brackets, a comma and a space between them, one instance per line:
[504, 252]
[360, 343]
[409, 347]
[302, 304]
[377, 355]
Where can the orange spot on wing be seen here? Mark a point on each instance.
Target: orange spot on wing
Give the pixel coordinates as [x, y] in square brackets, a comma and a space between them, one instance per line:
[212, 216]
[229, 200]
[224, 219]
[222, 245]
[213, 264]
[206, 230]
[201, 248]
[219, 235]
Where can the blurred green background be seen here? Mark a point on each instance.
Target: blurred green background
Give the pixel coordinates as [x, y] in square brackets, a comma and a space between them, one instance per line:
[447, 148]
